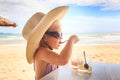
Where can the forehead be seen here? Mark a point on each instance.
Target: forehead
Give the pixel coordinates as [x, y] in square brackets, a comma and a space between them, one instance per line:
[56, 26]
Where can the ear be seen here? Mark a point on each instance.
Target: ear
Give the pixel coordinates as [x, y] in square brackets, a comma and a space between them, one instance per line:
[44, 38]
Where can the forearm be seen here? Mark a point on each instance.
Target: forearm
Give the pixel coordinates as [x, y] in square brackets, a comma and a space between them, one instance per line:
[67, 51]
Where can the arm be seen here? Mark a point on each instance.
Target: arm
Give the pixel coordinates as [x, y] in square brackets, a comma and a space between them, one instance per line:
[62, 58]
[67, 50]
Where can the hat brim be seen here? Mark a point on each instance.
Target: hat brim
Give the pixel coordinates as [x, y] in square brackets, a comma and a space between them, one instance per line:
[38, 32]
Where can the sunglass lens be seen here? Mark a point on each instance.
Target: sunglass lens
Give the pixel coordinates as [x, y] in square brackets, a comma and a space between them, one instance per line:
[55, 34]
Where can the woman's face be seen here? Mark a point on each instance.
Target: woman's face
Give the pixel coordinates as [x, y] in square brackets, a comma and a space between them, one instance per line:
[53, 35]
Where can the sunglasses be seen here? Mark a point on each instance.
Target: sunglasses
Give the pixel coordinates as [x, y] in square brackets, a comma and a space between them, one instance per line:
[55, 34]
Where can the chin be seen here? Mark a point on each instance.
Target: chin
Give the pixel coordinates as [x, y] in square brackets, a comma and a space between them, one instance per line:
[57, 47]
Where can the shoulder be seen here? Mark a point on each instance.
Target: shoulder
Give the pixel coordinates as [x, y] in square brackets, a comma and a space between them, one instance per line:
[41, 52]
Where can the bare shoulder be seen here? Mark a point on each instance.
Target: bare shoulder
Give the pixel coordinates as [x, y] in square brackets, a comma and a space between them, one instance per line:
[41, 51]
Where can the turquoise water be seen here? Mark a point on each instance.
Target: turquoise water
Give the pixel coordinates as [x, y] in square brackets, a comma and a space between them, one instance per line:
[12, 39]
[85, 38]
[98, 38]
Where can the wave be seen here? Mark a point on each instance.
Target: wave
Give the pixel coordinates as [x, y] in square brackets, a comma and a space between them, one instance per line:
[85, 39]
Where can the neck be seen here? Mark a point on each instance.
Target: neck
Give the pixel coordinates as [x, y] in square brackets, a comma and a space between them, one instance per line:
[45, 44]
[48, 46]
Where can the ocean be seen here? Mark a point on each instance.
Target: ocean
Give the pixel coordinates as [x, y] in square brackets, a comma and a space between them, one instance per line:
[11, 39]
[85, 38]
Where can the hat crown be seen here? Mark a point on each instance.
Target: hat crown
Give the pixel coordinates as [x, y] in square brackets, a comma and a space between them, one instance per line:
[31, 24]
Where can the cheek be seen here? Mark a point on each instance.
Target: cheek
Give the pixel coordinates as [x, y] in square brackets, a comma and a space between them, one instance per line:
[55, 44]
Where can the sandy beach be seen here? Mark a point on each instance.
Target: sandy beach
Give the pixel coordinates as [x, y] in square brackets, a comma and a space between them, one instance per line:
[13, 64]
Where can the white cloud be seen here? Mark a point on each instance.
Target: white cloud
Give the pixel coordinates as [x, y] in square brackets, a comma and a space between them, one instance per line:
[91, 24]
[23, 5]
[16, 9]
[29, 6]
[90, 2]
[105, 4]
[112, 5]
[21, 10]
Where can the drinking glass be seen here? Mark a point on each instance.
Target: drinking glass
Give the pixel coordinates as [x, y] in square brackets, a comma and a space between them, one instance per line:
[81, 69]
[74, 62]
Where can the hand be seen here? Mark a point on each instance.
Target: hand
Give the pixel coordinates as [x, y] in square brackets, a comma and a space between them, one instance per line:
[74, 38]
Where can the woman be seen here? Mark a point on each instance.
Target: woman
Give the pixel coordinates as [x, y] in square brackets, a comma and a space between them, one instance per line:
[43, 34]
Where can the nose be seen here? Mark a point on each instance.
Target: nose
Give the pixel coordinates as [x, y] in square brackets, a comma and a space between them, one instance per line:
[61, 37]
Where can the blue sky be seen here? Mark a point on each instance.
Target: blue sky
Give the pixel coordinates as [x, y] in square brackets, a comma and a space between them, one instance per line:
[83, 16]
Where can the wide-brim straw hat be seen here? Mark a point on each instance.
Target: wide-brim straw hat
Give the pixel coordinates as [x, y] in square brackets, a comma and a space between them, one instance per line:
[37, 25]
